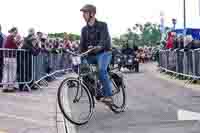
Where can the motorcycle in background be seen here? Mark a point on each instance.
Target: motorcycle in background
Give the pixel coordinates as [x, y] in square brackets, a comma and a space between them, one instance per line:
[130, 62]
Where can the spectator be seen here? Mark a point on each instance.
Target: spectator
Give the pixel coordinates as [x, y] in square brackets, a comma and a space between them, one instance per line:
[39, 38]
[67, 43]
[196, 44]
[4, 38]
[39, 35]
[55, 47]
[61, 44]
[127, 50]
[170, 40]
[31, 32]
[74, 46]
[10, 68]
[67, 46]
[30, 44]
[181, 42]
[57, 44]
[43, 43]
[50, 44]
[188, 43]
[175, 46]
[2, 42]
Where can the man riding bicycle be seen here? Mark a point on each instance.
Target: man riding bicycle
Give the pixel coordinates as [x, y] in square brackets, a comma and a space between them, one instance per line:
[95, 35]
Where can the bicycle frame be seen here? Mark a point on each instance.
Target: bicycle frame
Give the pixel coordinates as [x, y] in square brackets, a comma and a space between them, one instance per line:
[94, 73]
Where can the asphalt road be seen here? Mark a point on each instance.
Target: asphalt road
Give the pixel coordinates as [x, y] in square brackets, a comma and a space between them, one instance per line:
[154, 105]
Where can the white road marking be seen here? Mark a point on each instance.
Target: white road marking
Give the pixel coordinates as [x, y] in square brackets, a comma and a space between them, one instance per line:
[3, 132]
[188, 115]
[70, 126]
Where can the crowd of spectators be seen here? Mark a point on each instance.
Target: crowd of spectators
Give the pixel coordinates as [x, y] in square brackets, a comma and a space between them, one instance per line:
[35, 43]
[180, 54]
[175, 41]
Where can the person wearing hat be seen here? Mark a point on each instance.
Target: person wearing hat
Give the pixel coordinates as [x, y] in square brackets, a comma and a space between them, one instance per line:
[25, 61]
[11, 42]
[10, 60]
[31, 40]
[31, 32]
[95, 34]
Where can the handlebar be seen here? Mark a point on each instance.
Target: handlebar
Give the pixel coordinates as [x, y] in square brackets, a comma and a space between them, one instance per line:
[82, 54]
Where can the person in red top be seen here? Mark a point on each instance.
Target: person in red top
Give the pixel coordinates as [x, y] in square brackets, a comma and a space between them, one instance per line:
[10, 65]
[170, 40]
[67, 42]
[11, 43]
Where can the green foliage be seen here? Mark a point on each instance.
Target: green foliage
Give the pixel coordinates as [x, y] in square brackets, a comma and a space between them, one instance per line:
[139, 35]
[61, 35]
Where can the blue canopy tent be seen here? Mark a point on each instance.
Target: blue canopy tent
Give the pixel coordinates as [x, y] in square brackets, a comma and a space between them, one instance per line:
[190, 31]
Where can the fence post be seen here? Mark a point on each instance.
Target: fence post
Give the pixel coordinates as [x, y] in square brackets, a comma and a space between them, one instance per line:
[167, 59]
[193, 63]
[198, 64]
[160, 59]
[177, 61]
[185, 63]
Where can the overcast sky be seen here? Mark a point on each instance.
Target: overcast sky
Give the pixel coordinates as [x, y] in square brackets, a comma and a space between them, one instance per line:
[64, 15]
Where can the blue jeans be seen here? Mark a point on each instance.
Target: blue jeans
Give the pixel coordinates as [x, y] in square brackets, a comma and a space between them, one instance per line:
[103, 60]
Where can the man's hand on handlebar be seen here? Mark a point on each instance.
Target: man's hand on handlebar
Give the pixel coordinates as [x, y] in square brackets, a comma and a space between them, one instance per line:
[95, 49]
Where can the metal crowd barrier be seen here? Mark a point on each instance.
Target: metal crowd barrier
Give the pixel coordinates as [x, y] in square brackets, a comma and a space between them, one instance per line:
[181, 62]
[16, 67]
[19, 66]
[50, 65]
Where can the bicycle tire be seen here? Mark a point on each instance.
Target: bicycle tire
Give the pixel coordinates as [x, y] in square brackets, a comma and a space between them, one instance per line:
[62, 108]
[115, 107]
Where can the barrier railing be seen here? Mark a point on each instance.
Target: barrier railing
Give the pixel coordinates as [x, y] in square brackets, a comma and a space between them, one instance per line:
[181, 62]
[15, 66]
[50, 65]
[19, 66]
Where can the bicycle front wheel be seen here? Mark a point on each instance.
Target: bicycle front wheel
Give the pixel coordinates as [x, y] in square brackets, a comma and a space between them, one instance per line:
[119, 94]
[75, 101]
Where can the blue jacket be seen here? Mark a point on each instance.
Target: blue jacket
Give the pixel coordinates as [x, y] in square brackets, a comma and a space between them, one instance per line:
[1, 40]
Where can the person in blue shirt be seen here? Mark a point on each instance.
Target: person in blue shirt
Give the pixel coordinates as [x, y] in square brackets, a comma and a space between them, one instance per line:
[2, 40]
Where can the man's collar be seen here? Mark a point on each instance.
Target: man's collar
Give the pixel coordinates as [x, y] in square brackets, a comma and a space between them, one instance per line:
[95, 23]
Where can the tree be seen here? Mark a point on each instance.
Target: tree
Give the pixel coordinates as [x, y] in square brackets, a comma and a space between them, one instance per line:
[74, 36]
[147, 34]
[71, 36]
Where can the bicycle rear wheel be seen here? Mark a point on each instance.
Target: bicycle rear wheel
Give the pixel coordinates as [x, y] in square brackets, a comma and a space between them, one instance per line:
[119, 94]
[75, 101]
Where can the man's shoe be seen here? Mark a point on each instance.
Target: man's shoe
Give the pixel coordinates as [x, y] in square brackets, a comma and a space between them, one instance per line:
[99, 97]
[34, 88]
[107, 100]
[9, 90]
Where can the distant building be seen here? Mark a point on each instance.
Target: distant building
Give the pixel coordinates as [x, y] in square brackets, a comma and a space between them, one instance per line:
[195, 33]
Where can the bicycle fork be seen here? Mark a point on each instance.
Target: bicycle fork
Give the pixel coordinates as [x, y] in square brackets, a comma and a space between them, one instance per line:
[79, 89]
